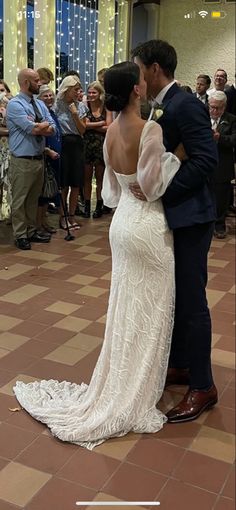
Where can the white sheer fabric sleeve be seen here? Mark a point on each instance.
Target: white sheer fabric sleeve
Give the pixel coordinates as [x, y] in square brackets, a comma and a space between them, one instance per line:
[111, 189]
[156, 167]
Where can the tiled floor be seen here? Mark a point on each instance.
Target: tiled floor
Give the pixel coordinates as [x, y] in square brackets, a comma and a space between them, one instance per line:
[52, 316]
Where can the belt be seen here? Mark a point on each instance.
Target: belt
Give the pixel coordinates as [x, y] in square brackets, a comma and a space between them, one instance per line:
[30, 157]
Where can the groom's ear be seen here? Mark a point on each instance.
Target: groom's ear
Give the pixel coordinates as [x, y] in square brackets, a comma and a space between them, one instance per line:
[156, 68]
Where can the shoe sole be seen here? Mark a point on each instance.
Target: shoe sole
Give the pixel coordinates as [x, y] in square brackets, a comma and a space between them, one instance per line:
[192, 418]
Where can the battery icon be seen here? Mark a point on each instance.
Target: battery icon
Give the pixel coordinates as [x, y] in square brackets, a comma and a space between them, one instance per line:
[218, 14]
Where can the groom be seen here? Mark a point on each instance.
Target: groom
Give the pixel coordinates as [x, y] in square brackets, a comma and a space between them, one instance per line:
[190, 212]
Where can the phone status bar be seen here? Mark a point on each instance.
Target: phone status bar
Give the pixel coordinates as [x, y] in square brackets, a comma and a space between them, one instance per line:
[214, 14]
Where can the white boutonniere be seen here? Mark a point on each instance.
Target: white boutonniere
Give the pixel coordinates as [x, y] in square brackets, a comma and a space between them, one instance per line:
[156, 112]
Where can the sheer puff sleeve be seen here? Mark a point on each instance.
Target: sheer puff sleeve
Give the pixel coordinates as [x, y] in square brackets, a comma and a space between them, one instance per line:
[156, 167]
[111, 190]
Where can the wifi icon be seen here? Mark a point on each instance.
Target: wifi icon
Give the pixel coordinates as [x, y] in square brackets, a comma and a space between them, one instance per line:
[203, 14]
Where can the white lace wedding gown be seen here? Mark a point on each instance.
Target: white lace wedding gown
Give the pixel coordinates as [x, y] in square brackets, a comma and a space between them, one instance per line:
[129, 376]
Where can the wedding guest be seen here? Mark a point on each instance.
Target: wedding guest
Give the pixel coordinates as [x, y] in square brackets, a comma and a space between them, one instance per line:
[202, 85]
[96, 126]
[72, 118]
[45, 75]
[224, 132]
[28, 121]
[52, 158]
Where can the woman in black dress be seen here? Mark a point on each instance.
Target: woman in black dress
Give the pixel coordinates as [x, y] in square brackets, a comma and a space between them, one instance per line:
[96, 125]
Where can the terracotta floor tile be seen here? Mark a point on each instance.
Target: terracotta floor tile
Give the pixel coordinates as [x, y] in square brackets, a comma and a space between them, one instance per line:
[22, 294]
[14, 270]
[101, 496]
[214, 296]
[13, 440]
[119, 447]
[89, 312]
[55, 335]
[45, 317]
[37, 348]
[47, 454]
[229, 488]
[47, 369]
[6, 402]
[62, 307]
[155, 455]
[18, 483]
[7, 322]
[23, 420]
[16, 361]
[72, 324]
[223, 358]
[11, 341]
[66, 355]
[3, 463]
[179, 435]
[227, 399]
[180, 496]
[215, 443]
[8, 506]
[60, 494]
[82, 279]
[3, 352]
[8, 388]
[133, 483]
[221, 418]
[225, 504]
[85, 342]
[29, 328]
[89, 469]
[226, 343]
[96, 329]
[202, 471]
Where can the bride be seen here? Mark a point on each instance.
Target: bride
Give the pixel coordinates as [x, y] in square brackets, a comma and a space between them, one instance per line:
[129, 376]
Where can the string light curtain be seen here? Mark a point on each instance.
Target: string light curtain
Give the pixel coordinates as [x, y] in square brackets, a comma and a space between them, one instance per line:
[14, 40]
[122, 31]
[45, 34]
[76, 38]
[106, 34]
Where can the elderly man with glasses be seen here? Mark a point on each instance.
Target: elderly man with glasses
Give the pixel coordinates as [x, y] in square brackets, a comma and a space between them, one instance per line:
[224, 132]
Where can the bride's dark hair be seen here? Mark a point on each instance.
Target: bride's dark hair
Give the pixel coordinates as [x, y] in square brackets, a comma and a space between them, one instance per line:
[119, 81]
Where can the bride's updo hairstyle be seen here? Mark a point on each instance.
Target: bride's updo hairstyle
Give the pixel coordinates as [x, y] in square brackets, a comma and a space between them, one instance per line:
[119, 82]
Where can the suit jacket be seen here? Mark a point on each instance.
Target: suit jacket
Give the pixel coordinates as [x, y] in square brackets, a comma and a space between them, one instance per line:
[231, 100]
[227, 141]
[189, 199]
[195, 95]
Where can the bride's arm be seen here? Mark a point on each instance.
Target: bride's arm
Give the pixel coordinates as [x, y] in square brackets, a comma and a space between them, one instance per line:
[110, 187]
[156, 167]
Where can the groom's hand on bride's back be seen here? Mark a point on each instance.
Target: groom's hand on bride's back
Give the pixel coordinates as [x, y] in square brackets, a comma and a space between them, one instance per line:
[180, 152]
[137, 192]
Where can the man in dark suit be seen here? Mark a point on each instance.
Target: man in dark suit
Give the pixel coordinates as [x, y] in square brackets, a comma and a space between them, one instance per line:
[190, 212]
[202, 85]
[224, 129]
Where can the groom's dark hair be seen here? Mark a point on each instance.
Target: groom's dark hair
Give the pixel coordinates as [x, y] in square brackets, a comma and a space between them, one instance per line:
[157, 51]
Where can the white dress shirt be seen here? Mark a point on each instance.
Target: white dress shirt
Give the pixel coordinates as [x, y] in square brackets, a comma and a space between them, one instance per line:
[159, 98]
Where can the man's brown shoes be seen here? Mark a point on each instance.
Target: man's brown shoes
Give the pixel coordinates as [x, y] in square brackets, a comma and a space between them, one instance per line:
[192, 405]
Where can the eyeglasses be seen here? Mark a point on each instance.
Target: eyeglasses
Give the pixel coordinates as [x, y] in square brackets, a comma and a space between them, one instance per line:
[217, 108]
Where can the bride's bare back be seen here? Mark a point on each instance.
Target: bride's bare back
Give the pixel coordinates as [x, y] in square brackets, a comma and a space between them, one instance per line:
[122, 141]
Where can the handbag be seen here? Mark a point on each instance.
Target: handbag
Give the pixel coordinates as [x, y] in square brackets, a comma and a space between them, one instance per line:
[50, 187]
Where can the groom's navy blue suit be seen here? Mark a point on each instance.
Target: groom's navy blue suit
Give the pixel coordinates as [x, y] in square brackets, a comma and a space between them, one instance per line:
[190, 211]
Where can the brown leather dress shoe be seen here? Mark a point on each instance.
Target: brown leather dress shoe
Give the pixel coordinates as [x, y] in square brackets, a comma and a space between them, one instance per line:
[192, 405]
[177, 376]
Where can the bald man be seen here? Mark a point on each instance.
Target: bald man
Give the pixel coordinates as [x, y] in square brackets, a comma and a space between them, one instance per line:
[28, 121]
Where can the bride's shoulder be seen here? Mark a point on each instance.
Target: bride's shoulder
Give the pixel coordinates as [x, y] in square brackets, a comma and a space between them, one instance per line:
[151, 128]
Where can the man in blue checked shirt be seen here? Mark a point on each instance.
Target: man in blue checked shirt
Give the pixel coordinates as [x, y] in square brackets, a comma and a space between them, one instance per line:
[28, 121]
